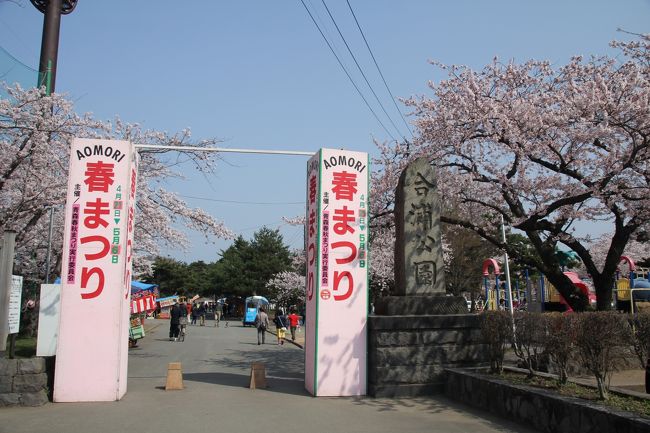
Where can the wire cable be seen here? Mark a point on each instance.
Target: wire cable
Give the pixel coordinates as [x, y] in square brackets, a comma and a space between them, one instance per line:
[361, 70]
[346, 72]
[243, 202]
[379, 69]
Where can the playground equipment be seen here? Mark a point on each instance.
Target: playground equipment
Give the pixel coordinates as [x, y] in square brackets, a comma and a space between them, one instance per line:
[635, 278]
[538, 295]
[553, 300]
[541, 295]
[491, 295]
[631, 285]
[497, 295]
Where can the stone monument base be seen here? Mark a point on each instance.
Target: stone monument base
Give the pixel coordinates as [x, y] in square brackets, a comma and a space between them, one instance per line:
[420, 305]
[407, 354]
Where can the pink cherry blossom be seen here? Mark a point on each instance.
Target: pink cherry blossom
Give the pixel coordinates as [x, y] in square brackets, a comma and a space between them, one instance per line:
[35, 136]
[545, 147]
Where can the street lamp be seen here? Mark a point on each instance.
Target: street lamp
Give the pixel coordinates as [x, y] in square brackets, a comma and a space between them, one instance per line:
[52, 9]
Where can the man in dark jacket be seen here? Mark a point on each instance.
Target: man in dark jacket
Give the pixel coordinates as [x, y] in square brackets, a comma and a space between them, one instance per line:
[261, 323]
[174, 322]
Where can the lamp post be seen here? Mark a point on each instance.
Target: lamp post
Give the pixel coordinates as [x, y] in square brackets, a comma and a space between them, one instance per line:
[52, 10]
[507, 266]
[49, 246]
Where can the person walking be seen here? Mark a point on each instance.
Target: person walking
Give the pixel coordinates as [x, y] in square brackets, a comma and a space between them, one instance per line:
[202, 314]
[195, 313]
[281, 324]
[174, 321]
[218, 311]
[294, 321]
[182, 322]
[261, 323]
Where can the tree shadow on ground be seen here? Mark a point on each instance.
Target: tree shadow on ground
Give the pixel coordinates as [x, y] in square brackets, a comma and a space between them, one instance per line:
[279, 363]
[136, 352]
[437, 404]
[284, 369]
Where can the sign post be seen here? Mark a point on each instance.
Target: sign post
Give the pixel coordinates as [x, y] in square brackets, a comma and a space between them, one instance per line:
[15, 298]
[337, 273]
[92, 349]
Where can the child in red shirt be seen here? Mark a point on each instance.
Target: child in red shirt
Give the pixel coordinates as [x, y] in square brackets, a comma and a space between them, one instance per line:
[294, 320]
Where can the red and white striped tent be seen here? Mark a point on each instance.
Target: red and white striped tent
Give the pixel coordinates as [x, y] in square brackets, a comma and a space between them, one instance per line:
[143, 297]
[143, 304]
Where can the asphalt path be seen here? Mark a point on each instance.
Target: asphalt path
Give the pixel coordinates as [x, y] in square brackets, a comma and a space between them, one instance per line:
[216, 370]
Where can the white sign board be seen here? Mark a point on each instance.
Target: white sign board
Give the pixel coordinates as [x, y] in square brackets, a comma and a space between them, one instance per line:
[337, 273]
[48, 319]
[15, 298]
[92, 349]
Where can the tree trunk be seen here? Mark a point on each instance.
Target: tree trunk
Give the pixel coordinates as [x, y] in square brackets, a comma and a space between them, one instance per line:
[603, 286]
[602, 389]
[550, 266]
[577, 300]
[564, 376]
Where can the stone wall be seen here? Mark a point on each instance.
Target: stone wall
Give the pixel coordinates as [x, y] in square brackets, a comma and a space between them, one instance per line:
[543, 410]
[408, 355]
[23, 382]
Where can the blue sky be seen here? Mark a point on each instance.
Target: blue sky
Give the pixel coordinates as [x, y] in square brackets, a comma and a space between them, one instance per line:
[257, 74]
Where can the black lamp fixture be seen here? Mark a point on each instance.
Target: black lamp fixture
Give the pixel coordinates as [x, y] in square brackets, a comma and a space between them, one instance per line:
[52, 10]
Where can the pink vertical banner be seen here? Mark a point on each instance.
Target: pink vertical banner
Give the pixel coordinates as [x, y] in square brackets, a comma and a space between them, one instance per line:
[336, 352]
[92, 348]
[312, 249]
[129, 214]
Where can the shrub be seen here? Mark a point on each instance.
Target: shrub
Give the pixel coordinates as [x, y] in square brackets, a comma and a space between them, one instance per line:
[599, 336]
[640, 333]
[559, 341]
[528, 338]
[496, 329]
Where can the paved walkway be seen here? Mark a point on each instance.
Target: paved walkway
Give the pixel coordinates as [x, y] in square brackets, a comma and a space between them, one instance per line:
[216, 365]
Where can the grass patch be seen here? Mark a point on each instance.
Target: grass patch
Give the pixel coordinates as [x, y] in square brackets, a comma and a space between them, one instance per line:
[25, 347]
[616, 401]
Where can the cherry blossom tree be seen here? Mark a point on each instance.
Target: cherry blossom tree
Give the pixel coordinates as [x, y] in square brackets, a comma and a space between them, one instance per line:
[542, 147]
[288, 288]
[382, 247]
[637, 251]
[35, 135]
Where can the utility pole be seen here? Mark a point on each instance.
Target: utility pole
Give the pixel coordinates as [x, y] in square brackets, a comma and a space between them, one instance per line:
[49, 247]
[52, 10]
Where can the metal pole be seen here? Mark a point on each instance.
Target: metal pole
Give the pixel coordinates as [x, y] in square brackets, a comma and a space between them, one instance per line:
[505, 257]
[6, 269]
[632, 298]
[49, 247]
[486, 282]
[50, 45]
[221, 149]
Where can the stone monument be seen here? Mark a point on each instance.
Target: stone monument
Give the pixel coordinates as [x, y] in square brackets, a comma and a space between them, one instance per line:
[419, 331]
[419, 266]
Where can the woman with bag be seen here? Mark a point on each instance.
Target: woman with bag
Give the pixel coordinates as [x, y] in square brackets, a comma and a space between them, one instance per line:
[281, 324]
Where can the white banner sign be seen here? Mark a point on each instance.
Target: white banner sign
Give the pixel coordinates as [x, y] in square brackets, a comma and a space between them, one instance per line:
[48, 319]
[337, 273]
[92, 351]
[15, 299]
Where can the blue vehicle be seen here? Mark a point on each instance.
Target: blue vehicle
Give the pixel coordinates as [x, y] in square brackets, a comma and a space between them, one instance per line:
[252, 305]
